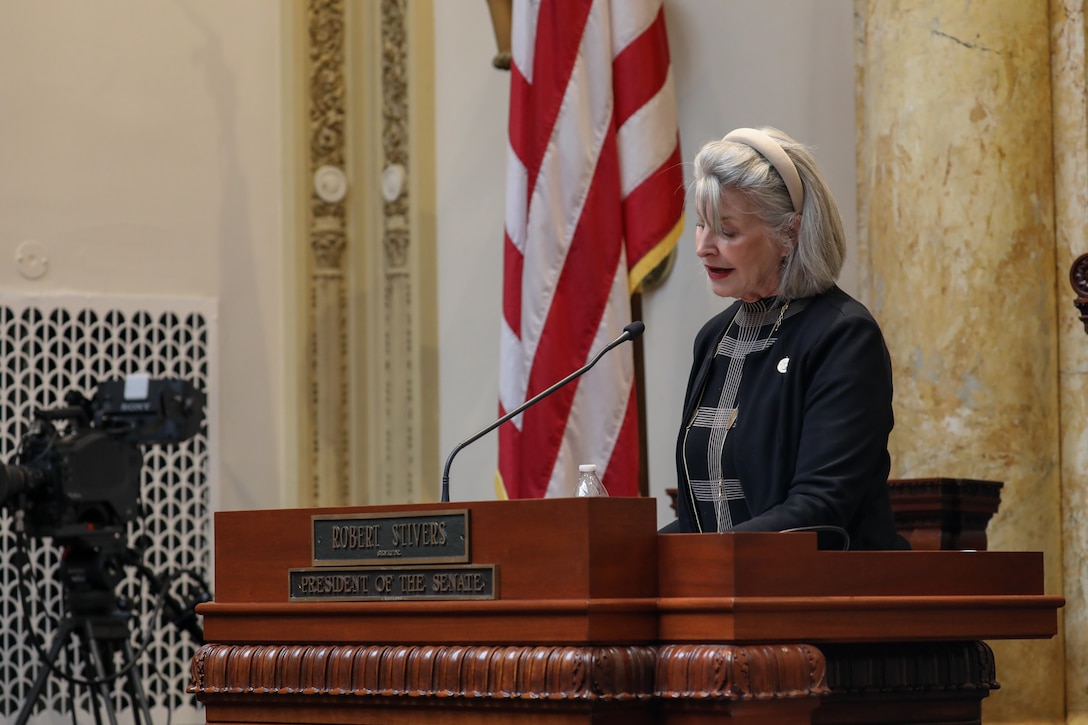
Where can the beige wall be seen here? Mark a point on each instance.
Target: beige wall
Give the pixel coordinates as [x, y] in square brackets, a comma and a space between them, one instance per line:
[141, 149]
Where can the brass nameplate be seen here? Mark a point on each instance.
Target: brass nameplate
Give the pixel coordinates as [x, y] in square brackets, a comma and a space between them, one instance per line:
[397, 538]
[393, 583]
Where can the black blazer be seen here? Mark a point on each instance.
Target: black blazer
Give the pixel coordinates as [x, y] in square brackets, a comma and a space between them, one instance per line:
[811, 443]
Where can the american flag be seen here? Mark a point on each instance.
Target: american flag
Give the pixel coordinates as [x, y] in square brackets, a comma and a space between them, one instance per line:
[594, 202]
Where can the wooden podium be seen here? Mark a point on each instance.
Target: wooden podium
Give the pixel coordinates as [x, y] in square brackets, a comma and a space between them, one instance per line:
[577, 611]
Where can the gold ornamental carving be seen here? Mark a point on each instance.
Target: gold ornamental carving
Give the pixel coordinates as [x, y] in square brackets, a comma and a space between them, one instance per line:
[328, 242]
[369, 281]
[395, 130]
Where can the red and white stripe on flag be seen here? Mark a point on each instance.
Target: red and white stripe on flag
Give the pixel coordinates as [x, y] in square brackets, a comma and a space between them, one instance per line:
[594, 202]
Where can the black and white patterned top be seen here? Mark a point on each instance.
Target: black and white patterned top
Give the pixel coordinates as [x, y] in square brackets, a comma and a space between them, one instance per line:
[708, 453]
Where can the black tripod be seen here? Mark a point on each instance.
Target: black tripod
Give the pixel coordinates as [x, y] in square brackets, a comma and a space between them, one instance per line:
[99, 623]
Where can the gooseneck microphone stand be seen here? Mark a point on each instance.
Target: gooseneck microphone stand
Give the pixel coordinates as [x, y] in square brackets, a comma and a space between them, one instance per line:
[630, 332]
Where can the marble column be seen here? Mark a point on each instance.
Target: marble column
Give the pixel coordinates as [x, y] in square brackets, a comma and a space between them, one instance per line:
[957, 262]
[1069, 81]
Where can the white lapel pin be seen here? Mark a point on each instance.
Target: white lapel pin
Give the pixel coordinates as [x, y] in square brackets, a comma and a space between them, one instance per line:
[783, 364]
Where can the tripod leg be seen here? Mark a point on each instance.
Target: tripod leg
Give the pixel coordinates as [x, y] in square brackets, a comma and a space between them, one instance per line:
[140, 708]
[59, 637]
[92, 697]
[95, 657]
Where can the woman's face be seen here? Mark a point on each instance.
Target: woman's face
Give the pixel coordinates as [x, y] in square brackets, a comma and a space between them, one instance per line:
[744, 261]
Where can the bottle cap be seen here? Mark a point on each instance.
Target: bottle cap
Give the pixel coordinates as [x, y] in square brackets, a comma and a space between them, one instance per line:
[586, 467]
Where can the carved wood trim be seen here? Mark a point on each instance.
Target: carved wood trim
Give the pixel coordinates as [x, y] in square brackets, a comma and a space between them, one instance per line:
[1078, 278]
[911, 667]
[492, 672]
[944, 513]
[733, 672]
[623, 673]
[714, 672]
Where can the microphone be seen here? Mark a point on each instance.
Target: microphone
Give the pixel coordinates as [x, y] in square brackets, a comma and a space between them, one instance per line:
[631, 332]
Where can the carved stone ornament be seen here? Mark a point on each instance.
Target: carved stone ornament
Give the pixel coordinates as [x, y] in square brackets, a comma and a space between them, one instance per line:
[395, 131]
[1078, 277]
[327, 100]
[336, 245]
[330, 184]
[328, 241]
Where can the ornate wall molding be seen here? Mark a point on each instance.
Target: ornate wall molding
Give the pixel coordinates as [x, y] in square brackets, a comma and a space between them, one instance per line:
[367, 289]
[399, 385]
[327, 313]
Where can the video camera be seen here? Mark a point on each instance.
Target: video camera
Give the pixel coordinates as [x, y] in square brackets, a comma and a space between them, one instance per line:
[86, 477]
[76, 478]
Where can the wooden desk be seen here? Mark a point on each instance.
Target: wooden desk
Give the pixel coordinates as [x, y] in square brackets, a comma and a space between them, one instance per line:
[596, 618]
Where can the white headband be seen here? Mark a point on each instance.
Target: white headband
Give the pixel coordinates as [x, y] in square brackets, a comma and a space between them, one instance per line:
[774, 153]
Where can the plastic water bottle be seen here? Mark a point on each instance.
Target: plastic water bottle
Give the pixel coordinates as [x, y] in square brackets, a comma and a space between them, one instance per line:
[588, 483]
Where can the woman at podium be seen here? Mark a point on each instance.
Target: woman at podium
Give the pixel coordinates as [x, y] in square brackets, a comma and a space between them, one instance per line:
[788, 405]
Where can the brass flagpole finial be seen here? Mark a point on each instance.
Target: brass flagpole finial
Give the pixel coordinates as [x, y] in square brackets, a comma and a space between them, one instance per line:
[502, 14]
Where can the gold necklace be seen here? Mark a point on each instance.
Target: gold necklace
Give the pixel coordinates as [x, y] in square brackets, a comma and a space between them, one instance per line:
[778, 322]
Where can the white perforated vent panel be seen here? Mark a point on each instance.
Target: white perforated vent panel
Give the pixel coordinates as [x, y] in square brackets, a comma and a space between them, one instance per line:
[49, 347]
